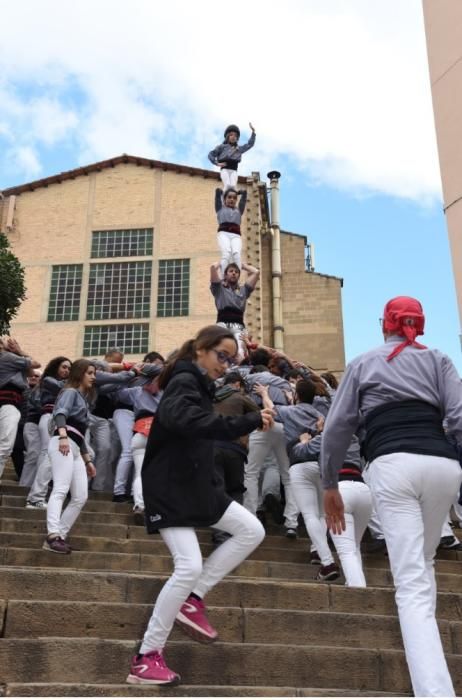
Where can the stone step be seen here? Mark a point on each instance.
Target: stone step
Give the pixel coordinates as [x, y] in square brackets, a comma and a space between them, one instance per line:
[111, 561]
[18, 524]
[48, 584]
[155, 545]
[31, 619]
[107, 690]
[106, 661]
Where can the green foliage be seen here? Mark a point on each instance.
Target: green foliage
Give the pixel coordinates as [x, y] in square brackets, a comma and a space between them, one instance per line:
[12, 286]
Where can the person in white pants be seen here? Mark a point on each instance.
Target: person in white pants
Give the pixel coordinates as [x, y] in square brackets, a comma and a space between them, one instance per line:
[231, 299]
[181, 493]
[305, 479]
[261, 445]
[357, 500]
[229, 216]
[14, 368]
[295, 419]
[227, 155]
[52, 381]
[71, 462]
[399, 394]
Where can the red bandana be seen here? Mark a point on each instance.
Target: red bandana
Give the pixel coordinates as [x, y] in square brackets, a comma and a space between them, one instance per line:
[404, 316]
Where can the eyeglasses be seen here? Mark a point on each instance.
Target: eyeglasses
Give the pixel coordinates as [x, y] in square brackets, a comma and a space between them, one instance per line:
[223, 358]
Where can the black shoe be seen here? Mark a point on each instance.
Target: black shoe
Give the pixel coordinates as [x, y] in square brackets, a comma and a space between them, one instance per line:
[375, 546]
[121, 498]
[273, 506]
[450, 542]
[315, 559]
[328, 573]
[291, 533]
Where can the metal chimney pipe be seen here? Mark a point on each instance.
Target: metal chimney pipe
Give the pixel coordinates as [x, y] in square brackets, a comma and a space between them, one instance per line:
[276, 265]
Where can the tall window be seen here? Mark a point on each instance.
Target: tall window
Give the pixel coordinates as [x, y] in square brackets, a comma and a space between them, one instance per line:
[119, 290]
[129, 337]
[65, 293]
[124, 243]
[173, 291]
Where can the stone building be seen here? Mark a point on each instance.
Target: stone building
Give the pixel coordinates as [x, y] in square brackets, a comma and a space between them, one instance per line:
[443, 29]
[118, 253]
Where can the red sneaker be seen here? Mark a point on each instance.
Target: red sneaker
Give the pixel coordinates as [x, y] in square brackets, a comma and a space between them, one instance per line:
[193, 620]
[151, 669]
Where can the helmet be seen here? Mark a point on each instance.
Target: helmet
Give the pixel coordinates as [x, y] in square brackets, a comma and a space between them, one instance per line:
[230, 128]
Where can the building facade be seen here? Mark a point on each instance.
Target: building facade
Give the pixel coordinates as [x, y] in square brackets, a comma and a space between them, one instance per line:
[118, 254]
[443, 28]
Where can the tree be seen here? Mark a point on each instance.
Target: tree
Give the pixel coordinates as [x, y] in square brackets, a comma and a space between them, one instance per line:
[12, 286]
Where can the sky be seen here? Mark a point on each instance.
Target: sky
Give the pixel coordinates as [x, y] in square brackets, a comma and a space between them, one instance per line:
[338, 91]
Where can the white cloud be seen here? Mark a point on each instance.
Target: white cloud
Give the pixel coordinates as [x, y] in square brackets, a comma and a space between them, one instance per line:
[24, 159]
[340, 87]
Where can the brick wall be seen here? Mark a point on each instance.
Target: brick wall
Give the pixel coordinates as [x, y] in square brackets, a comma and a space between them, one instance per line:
[53, 225]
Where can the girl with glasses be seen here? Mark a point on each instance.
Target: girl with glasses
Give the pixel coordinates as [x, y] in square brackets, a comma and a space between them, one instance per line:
[181, 492]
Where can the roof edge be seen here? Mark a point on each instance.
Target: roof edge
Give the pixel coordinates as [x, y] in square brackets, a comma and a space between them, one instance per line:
[111, 163]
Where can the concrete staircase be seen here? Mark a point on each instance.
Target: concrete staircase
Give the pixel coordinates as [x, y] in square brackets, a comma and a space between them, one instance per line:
[69, 624]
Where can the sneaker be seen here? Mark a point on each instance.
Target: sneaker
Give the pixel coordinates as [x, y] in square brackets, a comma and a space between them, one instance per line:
[138, 515]
[193, 620]
[315, 559]
[151, 669]
[121, 498]
[55, 543]
[328, 573]
[36, 505]
[450, 542]
[291, 533]
[273, 506]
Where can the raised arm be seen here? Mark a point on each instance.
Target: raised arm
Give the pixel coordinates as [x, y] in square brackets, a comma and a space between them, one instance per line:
[218, 199]
[215, 275]
[253, 275]
[250, 143]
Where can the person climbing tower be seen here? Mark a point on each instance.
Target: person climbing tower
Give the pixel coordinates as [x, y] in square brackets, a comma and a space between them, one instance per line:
[227, 155]
[231, 298]
[229, 214]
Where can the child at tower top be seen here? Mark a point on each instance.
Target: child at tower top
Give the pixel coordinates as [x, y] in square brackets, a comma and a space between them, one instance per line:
[227, 155]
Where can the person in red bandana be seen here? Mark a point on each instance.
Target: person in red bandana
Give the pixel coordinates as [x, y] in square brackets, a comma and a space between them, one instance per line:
[397, 397]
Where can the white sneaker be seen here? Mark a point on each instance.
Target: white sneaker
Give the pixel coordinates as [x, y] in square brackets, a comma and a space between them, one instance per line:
[36, 505]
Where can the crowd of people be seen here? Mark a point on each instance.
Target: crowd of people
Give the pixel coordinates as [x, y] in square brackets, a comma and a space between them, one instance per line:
[229, 434]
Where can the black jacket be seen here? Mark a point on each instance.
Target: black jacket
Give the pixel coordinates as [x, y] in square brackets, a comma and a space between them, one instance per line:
[180, 488]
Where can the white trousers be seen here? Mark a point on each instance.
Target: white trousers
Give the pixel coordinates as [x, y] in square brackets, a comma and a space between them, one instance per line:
[230, 245]
[69, 474]
[228, 178]
[412, 495]
[305, 479]
[39, 488]
[31, 436]
[261, 444]
[100, 434]
[236, 329]
[191, 575]
[358, 507]
[9, 420]
[139, 442]
[374, 523]
[123, 420]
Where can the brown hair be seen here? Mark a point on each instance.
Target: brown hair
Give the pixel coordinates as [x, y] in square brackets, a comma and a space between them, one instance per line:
[77, 371]
[331, 379]
[206, 339]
